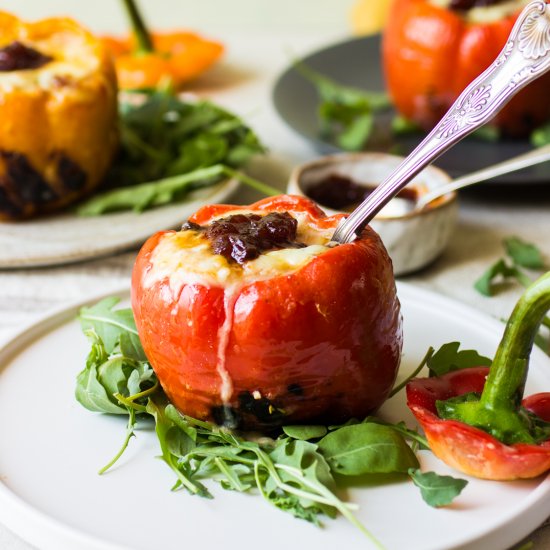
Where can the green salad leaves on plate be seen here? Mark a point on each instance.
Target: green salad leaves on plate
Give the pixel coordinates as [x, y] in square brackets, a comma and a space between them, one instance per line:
[170, 147]
[298, 470]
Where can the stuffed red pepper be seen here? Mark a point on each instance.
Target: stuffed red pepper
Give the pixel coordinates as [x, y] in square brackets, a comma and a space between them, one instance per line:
[252, 318]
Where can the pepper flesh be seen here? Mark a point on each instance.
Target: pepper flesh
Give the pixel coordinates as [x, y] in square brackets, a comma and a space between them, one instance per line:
[321, 342]
[430, 54]
[483, 408]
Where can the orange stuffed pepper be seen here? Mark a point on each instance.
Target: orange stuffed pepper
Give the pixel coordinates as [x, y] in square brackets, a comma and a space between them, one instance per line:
[58, 115]
[432, 49]
[252, 320]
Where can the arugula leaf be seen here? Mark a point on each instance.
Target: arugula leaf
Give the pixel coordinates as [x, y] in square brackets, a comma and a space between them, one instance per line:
[90, 392]
[290, 472]
[521, 254]
[367, 448]
[305, 432]
[109, 324]
[448, 358]
[165, 191]
[486, 283]
[168, 147]
[524, 254]
[401, 125]
[541, 136]
[346, 114]
[437, 490]
[117, 378]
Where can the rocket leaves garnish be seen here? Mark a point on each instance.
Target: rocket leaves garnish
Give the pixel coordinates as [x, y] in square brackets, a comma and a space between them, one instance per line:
[450, 358]
[519, 255]
[170, 147]
[521, 261]
[437, 490]
[296, 472]
[367, 448]
[346, 114]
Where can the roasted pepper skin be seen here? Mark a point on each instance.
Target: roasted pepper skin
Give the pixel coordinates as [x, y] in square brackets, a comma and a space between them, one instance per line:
[470, 449]
[56, 140]
[430, 54]
[320, 344]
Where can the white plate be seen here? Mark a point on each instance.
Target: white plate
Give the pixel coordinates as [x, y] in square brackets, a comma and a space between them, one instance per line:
[51, 449]
[66, 237]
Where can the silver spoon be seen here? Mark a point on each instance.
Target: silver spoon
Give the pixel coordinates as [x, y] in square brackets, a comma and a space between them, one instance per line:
[524, 58]
[531, 158]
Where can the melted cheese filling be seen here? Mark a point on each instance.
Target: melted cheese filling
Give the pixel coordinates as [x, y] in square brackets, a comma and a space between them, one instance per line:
[185, 257]
[72, 61]
[487, 14]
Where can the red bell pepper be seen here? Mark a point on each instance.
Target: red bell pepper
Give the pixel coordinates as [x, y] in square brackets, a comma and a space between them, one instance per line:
[317, 342]
[475, 419]
[431, 53]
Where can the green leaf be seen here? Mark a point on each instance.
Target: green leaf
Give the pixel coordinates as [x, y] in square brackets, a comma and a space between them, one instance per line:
[169, 442]
[449, 358]
[305, 432]
[485, 284]
[403, 126]
[487, 133]
[90, 392]
[524, 254]
[345, 113]
[437, 490]
[165, 141]
[354, 136]
[109, 324]
[300, 456]
[367, 448]
[541, 136]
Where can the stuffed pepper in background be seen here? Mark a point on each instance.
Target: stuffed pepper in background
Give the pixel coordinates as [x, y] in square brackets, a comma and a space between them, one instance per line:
[432, 49]
[250, 318]
[58, 115]
[476, 419]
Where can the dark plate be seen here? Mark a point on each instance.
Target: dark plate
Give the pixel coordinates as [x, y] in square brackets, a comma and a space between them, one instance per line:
[356, 62]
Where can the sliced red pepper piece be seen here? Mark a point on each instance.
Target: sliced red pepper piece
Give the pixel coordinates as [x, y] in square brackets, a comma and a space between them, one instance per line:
[475, 419]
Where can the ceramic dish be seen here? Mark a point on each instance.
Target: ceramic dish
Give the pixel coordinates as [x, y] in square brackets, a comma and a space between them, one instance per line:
[51, 449]
[65, 238]
[356, 62]
[414, 239]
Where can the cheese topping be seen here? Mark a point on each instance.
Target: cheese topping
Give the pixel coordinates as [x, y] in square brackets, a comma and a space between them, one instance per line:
[186, 257]
[71, 61]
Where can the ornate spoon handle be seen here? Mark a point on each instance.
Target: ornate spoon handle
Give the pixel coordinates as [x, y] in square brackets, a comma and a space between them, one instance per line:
[524, 58]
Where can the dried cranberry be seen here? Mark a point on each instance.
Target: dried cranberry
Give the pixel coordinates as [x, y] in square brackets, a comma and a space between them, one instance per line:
[16, 57]
[243, 237]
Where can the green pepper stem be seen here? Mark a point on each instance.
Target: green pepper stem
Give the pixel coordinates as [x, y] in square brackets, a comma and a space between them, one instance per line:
[143, 37]
[506, 380]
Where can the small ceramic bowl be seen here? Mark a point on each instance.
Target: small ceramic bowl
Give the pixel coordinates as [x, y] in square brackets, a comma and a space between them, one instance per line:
[413, 238]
